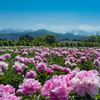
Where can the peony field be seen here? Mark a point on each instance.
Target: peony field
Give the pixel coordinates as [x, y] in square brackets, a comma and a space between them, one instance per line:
[49, 73]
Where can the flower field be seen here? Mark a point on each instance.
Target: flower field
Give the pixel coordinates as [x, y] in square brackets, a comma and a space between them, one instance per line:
[47, 73]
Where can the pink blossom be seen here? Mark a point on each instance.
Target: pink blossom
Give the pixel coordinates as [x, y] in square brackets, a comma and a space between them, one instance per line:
[38, 58]
[83, 59]
[3, 65]
[66, 70]
[31, 74]
[86, 82]
[67, 63]
[36, 53]
[64, 53]
[72, 59]
[78, 61]
[97, 62]
[73, 64]
[41, 67]
[44, 60]
[56, 88]
[8, 96]
[49, 71]
[19, 73]
[29, 86]
[25, 53]
[19, 70]
[6, 89]
[7, 56]
[1, 73]
[19, 65]
[32, 60]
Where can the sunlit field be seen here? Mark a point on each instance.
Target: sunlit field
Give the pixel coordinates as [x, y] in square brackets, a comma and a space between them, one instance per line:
[49, 73]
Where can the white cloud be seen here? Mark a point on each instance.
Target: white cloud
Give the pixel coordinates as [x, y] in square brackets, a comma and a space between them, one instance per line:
[89, 28]
[67, 28]
[61, 28]
[76, 33]
[41, 25]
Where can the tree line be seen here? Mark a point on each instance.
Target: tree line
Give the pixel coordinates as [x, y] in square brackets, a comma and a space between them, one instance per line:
[49, 40]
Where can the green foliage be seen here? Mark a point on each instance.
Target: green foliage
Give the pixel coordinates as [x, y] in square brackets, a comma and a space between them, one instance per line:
[71, 44]
[11, 43]
[98, 39]
[19, 43]
[66, 44]
[62, 45]
[1, 43]
[28, 43]
[6, 43]
[26, 37]
[40, 39]
[37, 43]
[90, 39]
[57, 44]
[23, 42]
[50, 38]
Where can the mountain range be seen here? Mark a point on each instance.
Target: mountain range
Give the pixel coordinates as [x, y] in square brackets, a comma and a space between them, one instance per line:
[14, 34]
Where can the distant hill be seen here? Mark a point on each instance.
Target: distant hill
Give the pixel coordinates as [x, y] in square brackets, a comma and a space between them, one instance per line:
[14, 34]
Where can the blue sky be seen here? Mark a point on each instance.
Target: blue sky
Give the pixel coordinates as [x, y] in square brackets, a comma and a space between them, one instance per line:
[53, 15]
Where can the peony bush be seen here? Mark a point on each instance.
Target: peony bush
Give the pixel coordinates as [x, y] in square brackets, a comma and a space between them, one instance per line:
[49, 73]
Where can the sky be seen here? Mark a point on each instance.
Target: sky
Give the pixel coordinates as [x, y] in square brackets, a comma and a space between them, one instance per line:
[54, 15]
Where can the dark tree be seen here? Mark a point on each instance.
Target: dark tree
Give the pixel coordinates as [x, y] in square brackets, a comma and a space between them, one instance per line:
[50, 39]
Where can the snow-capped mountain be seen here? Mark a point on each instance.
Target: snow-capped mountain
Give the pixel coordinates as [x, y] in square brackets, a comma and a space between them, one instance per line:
[17, 30]
[83, 33]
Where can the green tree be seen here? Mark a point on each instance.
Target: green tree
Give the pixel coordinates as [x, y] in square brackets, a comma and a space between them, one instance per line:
[18, 43]
[1, 43]
[61, 44]
[11, 43]
[40, 39]
[71, 44]
[66, 44]
[27, 43]
[6, 43]
[50, 39]
[23, 42]
[57, 44]
[37, 43]
[98, 39]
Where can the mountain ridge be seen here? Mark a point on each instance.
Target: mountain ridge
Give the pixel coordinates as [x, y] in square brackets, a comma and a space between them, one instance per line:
[21, 30]
[41, 32]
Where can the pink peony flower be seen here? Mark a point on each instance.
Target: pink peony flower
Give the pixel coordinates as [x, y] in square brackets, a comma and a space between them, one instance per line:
[78, 61]
[83, 59]
[49, 71]
[32, 60]
[67, 63]
[41, 67]
[97, 62]
[72, 59]
[1, 73]
[29, 86]
[6, 89]
[25, 53]
[86, 82]
[19, 70]
[10, 97]
[66, 70]
[44, 60]
[31, 74]
[19, 73]
[3, 65]
[7, 56]
[73, 64]
[56, 88]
